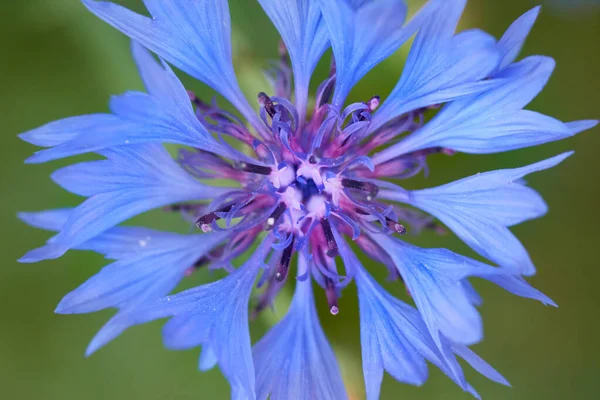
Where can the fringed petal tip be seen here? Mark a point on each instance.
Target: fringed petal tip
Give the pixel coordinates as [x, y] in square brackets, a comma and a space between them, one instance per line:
[580, 126]
[48, 252]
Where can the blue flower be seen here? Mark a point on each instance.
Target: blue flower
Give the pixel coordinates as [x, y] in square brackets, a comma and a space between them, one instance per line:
[304, 179]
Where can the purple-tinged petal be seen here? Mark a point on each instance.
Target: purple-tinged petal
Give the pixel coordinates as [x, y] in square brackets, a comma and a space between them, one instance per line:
[303, 31]
[133, 180]
[294, 359]
[363, 34]
[194, 35]
[441, 66]
[480, 208]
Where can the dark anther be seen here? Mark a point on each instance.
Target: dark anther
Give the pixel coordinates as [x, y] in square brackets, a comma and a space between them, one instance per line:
[332, 247]
[368, 187]
[204, 221]
[283, 52]
[201, 262]
[327, 91]
[255, 169]
[275, 216]
[346, 140]
[372, 104]
[395, 226]
[332, 298]
[284, 264]
[312, 159]
[266, 102]
[181, 207]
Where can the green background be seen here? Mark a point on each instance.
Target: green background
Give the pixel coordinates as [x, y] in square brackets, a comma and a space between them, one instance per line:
[58, 60]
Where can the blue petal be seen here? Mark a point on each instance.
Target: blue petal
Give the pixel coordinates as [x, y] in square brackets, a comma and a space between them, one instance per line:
[395, 338]
[193, 35]
[511, 43]
[116, 243]
[363, 34]
[150, 274]
[50, 220]
[137, 279]
[294, 359]
[580, 126]
[479, 364]
[480, 208]
[208, 358]
[215, 314]
[442, 67]
[493, 121]
[133, 180]
[301, 27]
[434, 278]
[163, 115]
[474, 296]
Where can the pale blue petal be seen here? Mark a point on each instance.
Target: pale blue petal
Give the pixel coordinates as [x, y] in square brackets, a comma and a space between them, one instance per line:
[294, 359]
[511, 43]
[139, 278]
[480, 208]
[442, 66]
[50, 220]
[163, 115]
[116, 243]
[208, 358]
[303, 31]
[148, 275]
[395, 338]
[363, 34]
[434, 278]
[580, 126]
[194, 35]
[479, 364]
[137, 179]
[216, 314]
[518, 286]
[474, 296]
[492, 121]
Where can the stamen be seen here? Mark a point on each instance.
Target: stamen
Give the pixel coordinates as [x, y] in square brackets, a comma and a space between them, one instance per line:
[275, 216]
[332, 246]
[395, 226]
[204, 221]
[368, 187]
[255, 169]
[202, 261]
[332, 298]
[266, 102]
[373, 103]
[284, 264]
[181, 207]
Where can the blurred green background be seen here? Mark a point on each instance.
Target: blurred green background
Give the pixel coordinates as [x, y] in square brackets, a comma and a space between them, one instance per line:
[59, 60]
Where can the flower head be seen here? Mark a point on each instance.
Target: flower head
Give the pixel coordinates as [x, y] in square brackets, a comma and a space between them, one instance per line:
[304, 179]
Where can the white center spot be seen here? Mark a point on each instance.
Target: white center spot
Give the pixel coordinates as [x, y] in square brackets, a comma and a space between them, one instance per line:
[282, 177]
[316, 206]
